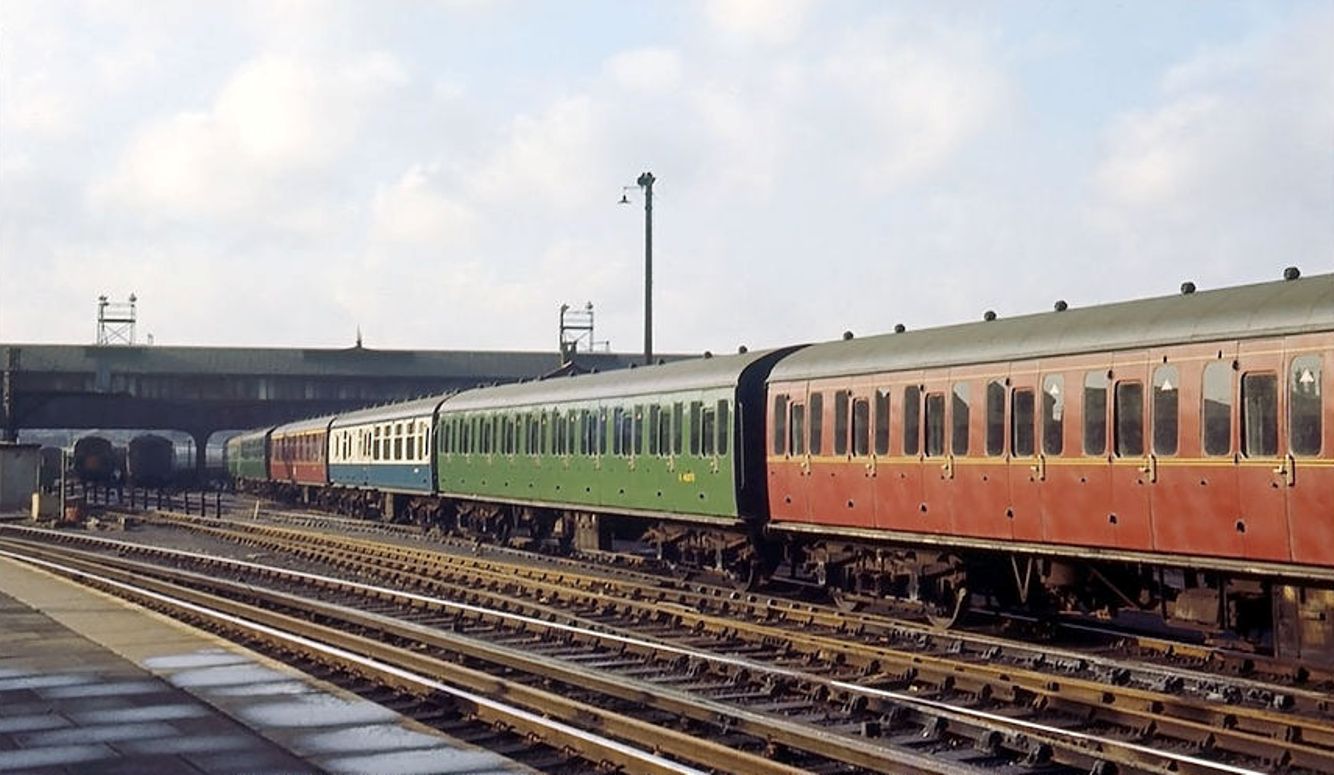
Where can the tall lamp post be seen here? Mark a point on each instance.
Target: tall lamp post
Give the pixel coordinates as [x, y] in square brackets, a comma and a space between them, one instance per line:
[645, 182]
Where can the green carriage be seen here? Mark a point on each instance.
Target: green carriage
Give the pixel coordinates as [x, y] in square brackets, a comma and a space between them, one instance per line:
[652, 447]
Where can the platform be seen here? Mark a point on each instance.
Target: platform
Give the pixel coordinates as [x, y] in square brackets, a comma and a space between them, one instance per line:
[91, 684]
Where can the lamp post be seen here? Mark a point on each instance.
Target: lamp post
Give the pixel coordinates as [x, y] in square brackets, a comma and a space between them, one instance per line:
[646, 182]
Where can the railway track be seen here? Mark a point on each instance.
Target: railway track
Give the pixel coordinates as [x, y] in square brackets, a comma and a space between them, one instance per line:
[973, 707]
[1207, 662]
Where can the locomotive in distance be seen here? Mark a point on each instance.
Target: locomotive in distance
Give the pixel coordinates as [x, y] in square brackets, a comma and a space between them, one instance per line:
[1164, 461]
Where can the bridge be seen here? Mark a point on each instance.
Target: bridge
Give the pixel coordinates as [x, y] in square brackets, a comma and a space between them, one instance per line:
[203, 390]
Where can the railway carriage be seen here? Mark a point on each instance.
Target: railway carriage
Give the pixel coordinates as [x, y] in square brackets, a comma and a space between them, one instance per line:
[673, 450]
[247, 456]
[150, 461]
[298, 457]
[384, 452]
[95, 461]
[1171, 455]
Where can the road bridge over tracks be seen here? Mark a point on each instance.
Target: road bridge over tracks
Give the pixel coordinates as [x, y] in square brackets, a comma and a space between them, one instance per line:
[203, 390]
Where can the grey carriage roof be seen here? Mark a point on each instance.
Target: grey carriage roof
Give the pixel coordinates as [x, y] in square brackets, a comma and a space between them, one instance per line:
[1264, 309]
[421, 407]
[311, 424]
[695, 374]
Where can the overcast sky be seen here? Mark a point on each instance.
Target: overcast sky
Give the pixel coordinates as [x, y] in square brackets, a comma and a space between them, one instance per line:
[446, 174]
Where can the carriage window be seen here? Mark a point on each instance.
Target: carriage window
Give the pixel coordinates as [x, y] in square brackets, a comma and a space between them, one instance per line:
[935, 424]
[639, 430]
[627, 431]
[557, 433]
[1053, 414]
[1166, 389]
[959, 438]
[398, 441]
[882, 422]
[842, 399]
[1218, 408]
[1259, 415]
[724, 427]
[780, 424]
[861, 427]
[602, 432]
[1304, 410]
[798, 441]
[375, 455]
[817, 423]
[654, 428]
[912, 419]
[695, 407]
[665, 432]
[1095, 413]
[1023, 441]
[1129, 419]
[995, 418]
[618, 440]
[678, 427]
[707, 432]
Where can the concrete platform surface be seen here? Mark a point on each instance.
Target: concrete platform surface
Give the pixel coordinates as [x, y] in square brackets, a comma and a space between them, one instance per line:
[91, 684]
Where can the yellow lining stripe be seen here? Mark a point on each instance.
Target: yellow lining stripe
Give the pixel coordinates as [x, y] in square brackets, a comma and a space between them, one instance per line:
[999, 460]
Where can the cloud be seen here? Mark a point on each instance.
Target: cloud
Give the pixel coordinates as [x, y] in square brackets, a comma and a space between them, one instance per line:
[556, 157]
[414, 211]
[769, 22]
[275, 119]
[1234, 160]
[911, 96]
[646, 69]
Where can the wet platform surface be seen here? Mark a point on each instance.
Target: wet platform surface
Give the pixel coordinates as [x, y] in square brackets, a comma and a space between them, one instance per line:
[89, 684]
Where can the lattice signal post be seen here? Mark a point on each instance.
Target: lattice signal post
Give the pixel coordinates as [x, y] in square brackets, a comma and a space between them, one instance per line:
[115, 321]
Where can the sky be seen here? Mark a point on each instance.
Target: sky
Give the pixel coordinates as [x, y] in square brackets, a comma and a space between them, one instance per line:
[445, 175]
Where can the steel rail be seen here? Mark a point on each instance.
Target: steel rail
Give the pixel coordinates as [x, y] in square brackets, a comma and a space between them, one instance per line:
[1144, 721]
[838, 747]
[415, 670]
[1211, 660]
[1263, 723]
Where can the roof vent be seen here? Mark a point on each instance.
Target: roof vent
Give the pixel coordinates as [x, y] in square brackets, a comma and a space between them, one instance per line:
[1291, 273]
[1187, 288]
[899, 328]
[708, 354]
[743, 349]
[847, 335]
[989, 315]
[634, 365]
[1061, 306]
[661, 361]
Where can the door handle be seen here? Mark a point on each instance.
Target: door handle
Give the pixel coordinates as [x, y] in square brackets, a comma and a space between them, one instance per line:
[1150, 468]
[947, 468]
[1288, 470]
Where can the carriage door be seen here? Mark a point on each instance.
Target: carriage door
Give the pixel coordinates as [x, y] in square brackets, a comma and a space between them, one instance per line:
[788, 457]
[852, 424]
[1134, 463]
[1027, 466]
[1310, 516]
[1265, 469]
[938, 461]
